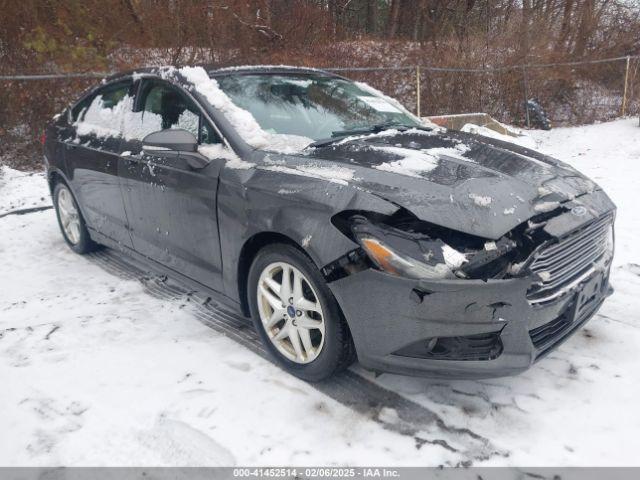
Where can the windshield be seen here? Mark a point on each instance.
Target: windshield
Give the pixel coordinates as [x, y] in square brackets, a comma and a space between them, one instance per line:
[312, 106]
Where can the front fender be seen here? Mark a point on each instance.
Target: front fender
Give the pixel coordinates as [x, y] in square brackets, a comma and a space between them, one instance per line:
[300, 208]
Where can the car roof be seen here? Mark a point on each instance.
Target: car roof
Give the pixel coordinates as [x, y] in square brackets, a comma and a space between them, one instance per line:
[235, 70]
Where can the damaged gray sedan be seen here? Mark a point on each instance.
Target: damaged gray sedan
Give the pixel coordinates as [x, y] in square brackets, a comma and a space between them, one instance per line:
[341, 223]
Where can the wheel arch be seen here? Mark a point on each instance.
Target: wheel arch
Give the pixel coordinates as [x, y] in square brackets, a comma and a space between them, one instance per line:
[248, 253]
[55, 176]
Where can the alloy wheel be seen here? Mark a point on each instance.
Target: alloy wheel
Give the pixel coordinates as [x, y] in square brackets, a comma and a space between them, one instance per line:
[69, 217]
[290, 312]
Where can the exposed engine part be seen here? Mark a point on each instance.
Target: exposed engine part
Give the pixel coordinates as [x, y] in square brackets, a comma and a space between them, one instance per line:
[465, 255]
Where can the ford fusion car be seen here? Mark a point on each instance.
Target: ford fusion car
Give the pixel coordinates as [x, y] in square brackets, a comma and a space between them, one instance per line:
[343, 225]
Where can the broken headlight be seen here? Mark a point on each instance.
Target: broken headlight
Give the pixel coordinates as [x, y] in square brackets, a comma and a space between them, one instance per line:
[405, 254]
[420, 256]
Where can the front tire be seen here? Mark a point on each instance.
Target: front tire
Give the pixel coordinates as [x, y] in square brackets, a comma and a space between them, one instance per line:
[296, 315]
[72, 225]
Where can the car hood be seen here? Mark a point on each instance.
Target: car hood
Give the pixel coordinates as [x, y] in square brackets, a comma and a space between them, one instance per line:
[465, 182]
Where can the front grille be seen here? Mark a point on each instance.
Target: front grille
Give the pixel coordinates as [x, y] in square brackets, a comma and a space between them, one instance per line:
[569, 260]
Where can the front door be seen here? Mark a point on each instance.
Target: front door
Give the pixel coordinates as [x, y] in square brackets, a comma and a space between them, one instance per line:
[171, 207]
[92, 157]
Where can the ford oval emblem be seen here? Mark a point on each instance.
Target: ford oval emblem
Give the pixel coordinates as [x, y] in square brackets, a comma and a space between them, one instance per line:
[579, 211]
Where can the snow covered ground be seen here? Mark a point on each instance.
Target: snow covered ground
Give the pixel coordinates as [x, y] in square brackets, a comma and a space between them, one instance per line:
[94, 371]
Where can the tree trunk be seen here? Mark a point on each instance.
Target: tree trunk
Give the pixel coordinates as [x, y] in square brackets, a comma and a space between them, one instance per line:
[524, 30]
[372, 16]
[394, 19]
[419, 21]
[584, 31]
[566, 23]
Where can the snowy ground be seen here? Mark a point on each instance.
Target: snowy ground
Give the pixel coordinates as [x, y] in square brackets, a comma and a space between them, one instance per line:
[95, 371]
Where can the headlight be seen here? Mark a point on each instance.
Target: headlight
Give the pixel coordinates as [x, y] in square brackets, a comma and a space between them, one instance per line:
[400, 253]
[393, 262]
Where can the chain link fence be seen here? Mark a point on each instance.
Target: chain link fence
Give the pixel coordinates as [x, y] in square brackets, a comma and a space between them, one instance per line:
[571, 93]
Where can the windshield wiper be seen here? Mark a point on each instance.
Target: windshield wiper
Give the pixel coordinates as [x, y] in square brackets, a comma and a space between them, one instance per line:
[341, 134]
[378, 127]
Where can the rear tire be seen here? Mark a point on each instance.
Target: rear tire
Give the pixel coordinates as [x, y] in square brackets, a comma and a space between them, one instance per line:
[72, 224]
[301, 326]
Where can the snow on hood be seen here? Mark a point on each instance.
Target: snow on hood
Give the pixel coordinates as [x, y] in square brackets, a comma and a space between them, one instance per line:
[241, 120]
[416, 163]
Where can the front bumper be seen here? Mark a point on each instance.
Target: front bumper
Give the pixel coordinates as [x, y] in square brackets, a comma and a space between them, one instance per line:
[488, 327]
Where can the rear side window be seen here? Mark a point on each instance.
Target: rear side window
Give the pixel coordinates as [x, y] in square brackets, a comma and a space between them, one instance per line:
[102, 113]
[162, 106]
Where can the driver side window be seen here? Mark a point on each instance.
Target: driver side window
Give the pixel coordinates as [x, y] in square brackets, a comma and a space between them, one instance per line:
[163, 106]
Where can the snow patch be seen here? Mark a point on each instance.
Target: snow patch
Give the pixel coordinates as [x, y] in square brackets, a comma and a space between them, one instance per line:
[544, 276]
[546, 206]
[414, 163]
[452, 257]
[480, 200]
[339, 175]
[217, 150]
[520, 139]
[490, 246]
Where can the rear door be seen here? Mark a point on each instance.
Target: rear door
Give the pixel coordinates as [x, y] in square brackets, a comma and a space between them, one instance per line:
[92, 157]
[171, 207]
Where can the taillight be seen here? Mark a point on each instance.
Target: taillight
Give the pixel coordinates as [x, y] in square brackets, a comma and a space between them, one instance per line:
[43, 138]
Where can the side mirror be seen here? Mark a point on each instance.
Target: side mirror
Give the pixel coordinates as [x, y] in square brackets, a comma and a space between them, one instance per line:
[170, 140]
[176, 142]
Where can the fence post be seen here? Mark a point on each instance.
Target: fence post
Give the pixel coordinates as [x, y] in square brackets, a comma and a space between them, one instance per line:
[626, 82]
[418, 91]
[525, 83]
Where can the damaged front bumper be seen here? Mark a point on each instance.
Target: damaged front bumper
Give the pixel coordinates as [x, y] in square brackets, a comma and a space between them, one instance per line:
[460, 328]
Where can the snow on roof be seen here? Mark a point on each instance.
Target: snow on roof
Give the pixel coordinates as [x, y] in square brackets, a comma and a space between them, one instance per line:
[266, 67]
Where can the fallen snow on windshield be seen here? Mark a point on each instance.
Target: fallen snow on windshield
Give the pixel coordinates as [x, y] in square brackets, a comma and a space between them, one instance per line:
[339, 175]
[368, 88]
[220, 151]
[243, 122]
